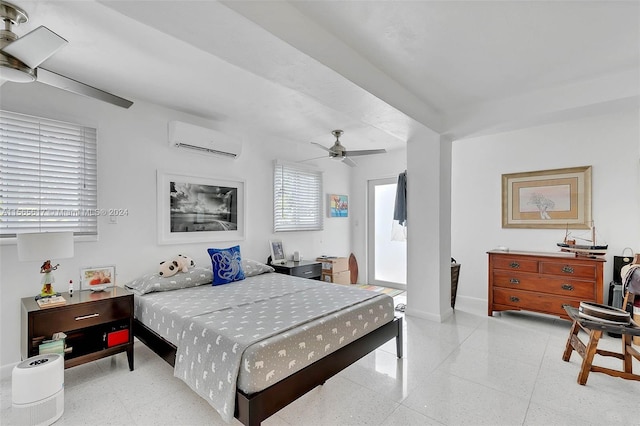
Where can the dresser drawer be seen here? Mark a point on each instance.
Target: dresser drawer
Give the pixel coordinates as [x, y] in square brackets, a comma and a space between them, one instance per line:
[515, 264]
[73, 317]
[545, 284]
[517, 280]
[568, 270]
[531, 301]
[584, 290]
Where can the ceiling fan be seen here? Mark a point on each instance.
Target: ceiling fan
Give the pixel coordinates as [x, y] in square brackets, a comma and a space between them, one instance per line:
[20, 57]
[338, 151]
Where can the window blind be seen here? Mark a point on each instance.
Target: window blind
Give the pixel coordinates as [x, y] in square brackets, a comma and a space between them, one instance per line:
[297, 201]
[48, 176]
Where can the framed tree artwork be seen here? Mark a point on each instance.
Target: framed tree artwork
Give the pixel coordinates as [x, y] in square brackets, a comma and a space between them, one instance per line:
[558, 198]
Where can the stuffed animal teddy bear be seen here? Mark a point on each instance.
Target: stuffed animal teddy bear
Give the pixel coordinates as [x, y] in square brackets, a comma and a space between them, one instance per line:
[168, 268]
[187, 262]
[171, 267]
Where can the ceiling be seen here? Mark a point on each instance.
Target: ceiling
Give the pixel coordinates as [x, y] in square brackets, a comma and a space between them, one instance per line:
[377, 69]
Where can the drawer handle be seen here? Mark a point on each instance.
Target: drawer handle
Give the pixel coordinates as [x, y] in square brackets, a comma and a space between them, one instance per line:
[307, 272]
[87, 316]
[514, 299]
[567, 269]
[514, 265]
[568, 287]
[514, 281]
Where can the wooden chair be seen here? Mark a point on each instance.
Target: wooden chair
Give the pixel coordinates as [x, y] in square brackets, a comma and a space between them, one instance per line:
[595, 329]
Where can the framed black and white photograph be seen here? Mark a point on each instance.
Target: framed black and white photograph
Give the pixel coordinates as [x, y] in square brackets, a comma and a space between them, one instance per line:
[199, 208]
[278, 255]
[97, 278]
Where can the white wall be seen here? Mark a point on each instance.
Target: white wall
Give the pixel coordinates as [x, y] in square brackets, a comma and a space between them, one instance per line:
[132, 145]
[609, 143]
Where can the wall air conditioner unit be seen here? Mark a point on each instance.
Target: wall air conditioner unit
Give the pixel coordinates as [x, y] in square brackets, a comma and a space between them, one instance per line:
[188, 136]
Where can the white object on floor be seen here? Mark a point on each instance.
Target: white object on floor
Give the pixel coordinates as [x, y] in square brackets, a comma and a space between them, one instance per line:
[37, 389]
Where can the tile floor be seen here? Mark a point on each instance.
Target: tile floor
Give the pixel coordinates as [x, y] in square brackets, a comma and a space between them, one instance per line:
[471, 370]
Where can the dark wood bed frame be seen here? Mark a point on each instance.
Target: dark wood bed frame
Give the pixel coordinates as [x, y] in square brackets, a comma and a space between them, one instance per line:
[251, 409]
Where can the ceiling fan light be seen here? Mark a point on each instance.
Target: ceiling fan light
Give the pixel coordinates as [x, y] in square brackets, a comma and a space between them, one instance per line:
[13, 70]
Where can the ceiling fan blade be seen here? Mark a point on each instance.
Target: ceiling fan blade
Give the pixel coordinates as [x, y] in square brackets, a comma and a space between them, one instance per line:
[36, 46]
[321, 146]
[311, 159]
[364, 152]
[349, 162]
[61, 82]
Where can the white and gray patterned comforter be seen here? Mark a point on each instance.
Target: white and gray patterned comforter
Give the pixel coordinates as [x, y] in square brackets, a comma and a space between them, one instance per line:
[251, 333]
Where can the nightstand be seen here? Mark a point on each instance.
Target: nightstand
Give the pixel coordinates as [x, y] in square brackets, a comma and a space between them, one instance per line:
[97, 325]
[304, 268]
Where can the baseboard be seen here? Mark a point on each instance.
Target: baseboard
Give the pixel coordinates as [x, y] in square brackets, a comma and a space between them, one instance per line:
[5, 370]
[472, 305]
[428, 315]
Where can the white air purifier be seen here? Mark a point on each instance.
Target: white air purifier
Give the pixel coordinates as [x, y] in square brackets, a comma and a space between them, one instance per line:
[37, 390]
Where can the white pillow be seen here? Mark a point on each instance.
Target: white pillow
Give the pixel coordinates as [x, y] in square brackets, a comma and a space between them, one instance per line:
[154, 282]
[253, 267]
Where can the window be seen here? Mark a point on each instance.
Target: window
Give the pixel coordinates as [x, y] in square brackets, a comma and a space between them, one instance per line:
[297, 198]
[47, 176]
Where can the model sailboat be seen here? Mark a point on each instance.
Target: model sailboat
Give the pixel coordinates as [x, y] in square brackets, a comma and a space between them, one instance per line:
[593, 249]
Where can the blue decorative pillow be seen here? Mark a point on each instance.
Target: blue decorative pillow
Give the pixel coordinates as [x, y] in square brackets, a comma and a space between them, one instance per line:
[227, 265]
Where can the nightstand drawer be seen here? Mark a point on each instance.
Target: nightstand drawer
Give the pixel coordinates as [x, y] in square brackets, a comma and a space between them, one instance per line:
[308, 271]
[73, 317]
[303, 268]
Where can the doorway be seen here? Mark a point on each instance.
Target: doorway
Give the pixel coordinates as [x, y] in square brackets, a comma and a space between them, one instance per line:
[387, 260]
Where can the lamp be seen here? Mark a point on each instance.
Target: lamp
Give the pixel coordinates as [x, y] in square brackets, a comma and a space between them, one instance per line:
[43, 247]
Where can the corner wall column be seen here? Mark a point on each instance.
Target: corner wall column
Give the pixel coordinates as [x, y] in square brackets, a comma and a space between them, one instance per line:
[429, 226]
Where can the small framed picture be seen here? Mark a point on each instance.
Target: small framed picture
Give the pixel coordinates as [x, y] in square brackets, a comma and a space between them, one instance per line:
[338, 205]
[97, 278]
[277, 252]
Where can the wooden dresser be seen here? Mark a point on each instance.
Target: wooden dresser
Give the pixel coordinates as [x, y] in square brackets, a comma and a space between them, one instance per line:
[542, 282]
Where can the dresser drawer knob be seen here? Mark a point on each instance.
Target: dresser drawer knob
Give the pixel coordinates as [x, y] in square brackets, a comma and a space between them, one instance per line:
[567, 269]
[514, 265]
[568, 287]
[514, 299]
[307, 272]
[84, 317]
[514, 281]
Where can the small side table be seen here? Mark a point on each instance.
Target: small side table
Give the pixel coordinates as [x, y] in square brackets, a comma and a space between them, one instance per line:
[304, 268]
[90, 320]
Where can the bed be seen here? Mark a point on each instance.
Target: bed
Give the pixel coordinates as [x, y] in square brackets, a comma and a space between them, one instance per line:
[252, 346]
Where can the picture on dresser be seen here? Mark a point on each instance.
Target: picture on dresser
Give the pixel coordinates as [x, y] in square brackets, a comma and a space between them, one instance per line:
[199, 209]
[558, 198]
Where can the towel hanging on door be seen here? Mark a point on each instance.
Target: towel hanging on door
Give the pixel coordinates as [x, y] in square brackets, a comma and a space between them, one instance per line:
[400, 210]
[399, 224]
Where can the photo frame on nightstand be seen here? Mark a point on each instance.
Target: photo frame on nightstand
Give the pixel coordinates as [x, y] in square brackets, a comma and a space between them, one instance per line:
[278, 255]
[97, 278]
